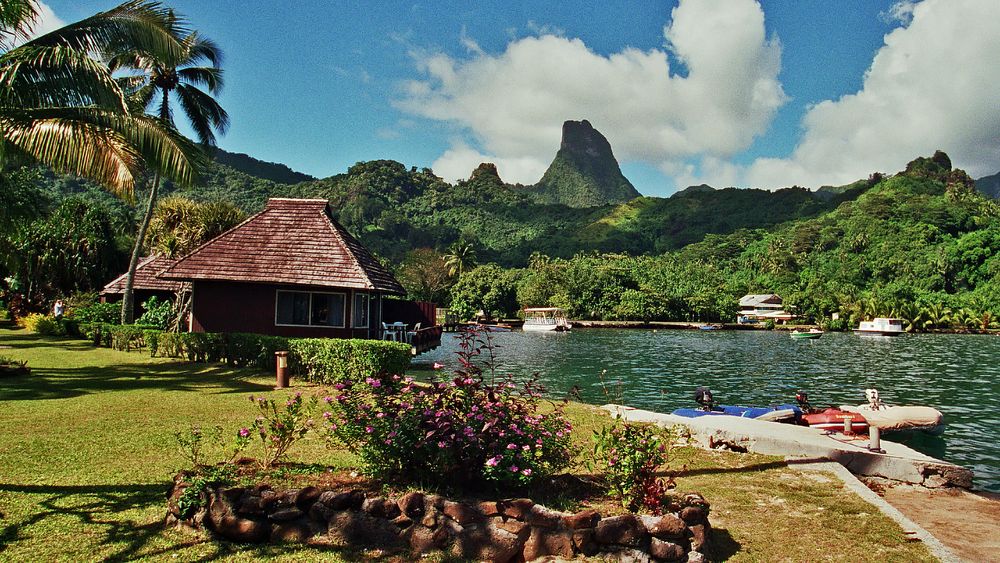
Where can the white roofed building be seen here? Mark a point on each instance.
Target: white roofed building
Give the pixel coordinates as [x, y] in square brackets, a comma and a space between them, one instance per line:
[762, 307]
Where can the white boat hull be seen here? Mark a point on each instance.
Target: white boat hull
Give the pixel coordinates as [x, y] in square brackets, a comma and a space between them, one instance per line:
[539, 328]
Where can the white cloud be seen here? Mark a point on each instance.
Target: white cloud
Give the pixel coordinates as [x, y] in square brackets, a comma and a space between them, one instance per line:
[46, 22]
[511, 105]
[935, 84]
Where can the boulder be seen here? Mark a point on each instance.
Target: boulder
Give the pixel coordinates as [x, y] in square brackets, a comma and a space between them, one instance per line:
[516, 508]
[620, 530]
[543, 517]
[461, 512]
[352, 528]
[306, 497]
[223, 520]
[544, 542]
[694, 514]
[665, 527]
[583, 519]
[412, 504]
[380, 507]
[699, 535]
[296, 531]
[584, 542]
[665, 550]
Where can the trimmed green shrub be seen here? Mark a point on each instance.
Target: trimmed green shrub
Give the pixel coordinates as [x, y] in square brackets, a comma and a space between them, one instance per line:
[329, 360]
[170, 345]
[203, 346]
[152, 338]
[257, 350]
[109, 313]
[158, 313]
[127, 337]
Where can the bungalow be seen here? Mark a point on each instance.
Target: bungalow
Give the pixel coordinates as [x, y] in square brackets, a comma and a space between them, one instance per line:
[146, 284]
[292, 270]
[762, 307]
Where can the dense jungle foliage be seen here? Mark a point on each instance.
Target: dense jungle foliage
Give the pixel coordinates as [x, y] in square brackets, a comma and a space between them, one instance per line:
[905, 244]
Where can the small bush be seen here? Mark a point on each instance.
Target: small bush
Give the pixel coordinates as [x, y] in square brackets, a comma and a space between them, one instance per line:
[328, 360]
[279, 426]
[477, 428]
[158, 313]
[42, 324]
[127, 337]
[109, 313]
[152, 338]
[630, 456]
[255, 350]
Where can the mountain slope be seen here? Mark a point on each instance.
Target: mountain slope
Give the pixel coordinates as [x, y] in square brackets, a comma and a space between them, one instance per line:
[275, 172]
[584, 172]
[989, 185]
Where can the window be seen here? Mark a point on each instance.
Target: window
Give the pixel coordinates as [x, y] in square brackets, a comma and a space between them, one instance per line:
[301, 308]
[361, 310]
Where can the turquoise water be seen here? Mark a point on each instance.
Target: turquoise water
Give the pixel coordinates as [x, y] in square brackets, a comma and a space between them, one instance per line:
[658, 370]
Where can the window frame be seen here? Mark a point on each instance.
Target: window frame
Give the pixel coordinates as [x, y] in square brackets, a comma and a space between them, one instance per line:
[343, 319]
[368, 309]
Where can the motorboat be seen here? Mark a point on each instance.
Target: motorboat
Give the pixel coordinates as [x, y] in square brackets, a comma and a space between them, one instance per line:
[889, 418]
[545, 319]
[703, 396]
[709, 327]
[831, 419]
[811, 334]
[881, 326]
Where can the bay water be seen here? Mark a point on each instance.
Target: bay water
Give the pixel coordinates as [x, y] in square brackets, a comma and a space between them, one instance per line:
[659, 370]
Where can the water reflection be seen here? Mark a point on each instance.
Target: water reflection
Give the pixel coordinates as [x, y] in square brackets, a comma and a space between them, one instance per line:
[658, 370]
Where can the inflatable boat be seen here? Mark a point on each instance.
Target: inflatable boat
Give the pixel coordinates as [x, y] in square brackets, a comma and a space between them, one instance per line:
[703, 396]
[889, 418]
[831, 419]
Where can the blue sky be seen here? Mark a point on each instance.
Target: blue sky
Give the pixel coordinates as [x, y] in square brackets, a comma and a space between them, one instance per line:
[728, 92]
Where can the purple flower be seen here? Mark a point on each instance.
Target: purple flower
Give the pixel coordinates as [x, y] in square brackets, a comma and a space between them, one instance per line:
[369, 429]
[244, 432]
[339, 386]
[514, 469]
[511, 446]
[327, 414]
[493, 461]
[328, 399]
[526, 471]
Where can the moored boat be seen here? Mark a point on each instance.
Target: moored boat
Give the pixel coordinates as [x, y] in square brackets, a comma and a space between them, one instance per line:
[881, 326]
[810, 334]
[703, 396]
[889, 418]
[831, 419]
[545, 319]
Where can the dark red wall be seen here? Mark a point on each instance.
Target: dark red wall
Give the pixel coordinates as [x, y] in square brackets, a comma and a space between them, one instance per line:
[246, 307]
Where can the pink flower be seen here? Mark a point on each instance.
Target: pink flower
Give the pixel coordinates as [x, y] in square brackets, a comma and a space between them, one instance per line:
[369, 429]
[327, 415]
[493, 461]
[514, 469]
[526, 447]
[526, 471]
[511, 446]
[244, 432]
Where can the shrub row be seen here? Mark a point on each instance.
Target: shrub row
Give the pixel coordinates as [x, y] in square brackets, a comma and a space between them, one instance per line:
[326, 360]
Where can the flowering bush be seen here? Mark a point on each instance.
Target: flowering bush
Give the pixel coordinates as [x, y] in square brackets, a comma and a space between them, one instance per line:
[278, 426]
[630, 455]
[474, 428]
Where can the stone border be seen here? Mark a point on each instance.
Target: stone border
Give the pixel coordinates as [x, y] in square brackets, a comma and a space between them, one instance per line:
[505, 530]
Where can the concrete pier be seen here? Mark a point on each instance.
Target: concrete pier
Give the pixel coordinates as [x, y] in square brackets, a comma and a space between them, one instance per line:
[898, 463]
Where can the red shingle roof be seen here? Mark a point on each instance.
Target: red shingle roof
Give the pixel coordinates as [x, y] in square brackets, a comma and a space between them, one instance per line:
[146, 277]
[293, 241]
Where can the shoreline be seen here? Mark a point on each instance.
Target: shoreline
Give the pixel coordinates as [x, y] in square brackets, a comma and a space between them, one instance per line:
[694, 325]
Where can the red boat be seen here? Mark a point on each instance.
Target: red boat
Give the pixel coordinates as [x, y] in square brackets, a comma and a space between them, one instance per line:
[831, 419]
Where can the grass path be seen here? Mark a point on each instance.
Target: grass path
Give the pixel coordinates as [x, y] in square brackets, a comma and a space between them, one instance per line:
[87, 450]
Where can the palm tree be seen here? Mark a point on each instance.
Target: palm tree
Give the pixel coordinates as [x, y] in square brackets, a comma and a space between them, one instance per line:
[59, 106]
[937, 315]
[159, 77]
[461, 257]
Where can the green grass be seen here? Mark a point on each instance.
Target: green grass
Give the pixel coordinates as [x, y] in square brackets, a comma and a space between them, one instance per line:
[87, 452]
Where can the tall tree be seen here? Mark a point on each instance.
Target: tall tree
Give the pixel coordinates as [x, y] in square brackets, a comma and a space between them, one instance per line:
[162, 78]
[61, 107]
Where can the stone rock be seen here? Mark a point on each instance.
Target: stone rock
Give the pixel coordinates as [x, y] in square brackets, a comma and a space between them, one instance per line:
[696, 557]
[516, 508]
[490, 542]
[298, 531]
[431, 517]
[699, 535]
[267, 499]
[250, 505]
[380, 507]
[666, 551]
[583, 519]
[412, 504]
[320, 512]
[349, 500]
[665, 527]
[694, 499]
[306, 497]
[515, 527]
[620, 530]
[223, 520]
[489, 508]
[353, 528]
[286, 514]
[461, 512]
[543, 517]
[630, 555]
[584, 542]
[694, 514]
[544, 542]
[401, 521]
[423, 539]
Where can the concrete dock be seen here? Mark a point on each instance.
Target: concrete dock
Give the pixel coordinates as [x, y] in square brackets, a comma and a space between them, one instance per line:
[898, 463]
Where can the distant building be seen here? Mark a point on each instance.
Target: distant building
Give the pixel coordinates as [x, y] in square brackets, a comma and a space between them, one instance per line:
[761, 308]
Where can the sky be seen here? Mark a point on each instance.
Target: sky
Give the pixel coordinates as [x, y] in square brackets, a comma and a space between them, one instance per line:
[725, 92]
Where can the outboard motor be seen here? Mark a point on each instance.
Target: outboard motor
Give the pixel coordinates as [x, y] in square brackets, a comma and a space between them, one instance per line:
[802, 398]
[703, 396]
[874, 401]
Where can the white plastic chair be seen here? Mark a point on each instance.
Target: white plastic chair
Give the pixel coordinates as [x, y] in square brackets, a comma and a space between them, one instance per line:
[388, 334]
[410, 334]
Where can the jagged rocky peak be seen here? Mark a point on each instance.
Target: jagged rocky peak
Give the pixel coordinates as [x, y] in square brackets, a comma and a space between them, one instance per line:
[584, 172]
[486, 171]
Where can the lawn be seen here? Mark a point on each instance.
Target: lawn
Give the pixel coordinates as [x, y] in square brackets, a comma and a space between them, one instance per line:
[87, 451]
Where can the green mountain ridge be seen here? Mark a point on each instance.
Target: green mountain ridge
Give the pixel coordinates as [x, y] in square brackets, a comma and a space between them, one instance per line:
[989, 185]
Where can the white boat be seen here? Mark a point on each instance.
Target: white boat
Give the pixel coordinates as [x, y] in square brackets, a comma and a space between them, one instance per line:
[898, 418]
[881, 326]
[544, 319]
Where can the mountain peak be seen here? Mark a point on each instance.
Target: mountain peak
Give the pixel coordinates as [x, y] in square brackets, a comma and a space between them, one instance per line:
[486, 171]
[584, 172]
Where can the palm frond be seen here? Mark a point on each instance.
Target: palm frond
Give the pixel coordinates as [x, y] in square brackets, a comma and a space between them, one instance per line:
[79, 147]
[56, 76]
[200, 49]
[16, 20]
[204, 113]
[208, 76]
[163, 148]
[136, 25]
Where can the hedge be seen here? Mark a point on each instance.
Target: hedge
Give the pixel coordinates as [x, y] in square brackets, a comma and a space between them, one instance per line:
[327, 360]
